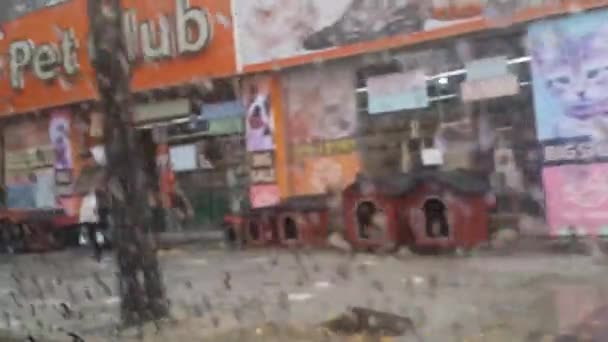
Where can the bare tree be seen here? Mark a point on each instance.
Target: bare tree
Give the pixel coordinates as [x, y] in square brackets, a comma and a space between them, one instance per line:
[141, 289]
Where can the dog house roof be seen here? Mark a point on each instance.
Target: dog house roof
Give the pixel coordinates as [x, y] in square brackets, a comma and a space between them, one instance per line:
[460, 181]
[299, 203]
[312, 202]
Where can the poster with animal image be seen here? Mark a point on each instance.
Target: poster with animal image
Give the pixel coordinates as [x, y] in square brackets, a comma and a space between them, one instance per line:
[59, 133]
[320, 103]
[256, 95]
[269, 30]
[570, 76]
[317, 175]
[577, 198]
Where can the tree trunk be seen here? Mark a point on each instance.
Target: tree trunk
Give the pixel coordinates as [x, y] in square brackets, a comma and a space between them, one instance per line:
[141, 290]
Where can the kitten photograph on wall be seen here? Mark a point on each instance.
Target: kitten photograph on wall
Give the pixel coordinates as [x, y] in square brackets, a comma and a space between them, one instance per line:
[570, 76]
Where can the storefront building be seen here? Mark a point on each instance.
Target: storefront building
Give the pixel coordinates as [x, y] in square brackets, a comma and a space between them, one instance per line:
[379, 88]
[282, 98]
[186, 108]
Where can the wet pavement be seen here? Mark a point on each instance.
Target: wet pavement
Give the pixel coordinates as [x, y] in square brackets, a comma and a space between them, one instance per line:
[482, 298]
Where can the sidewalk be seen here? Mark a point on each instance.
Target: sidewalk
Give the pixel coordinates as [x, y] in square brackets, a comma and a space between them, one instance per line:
[205, 236]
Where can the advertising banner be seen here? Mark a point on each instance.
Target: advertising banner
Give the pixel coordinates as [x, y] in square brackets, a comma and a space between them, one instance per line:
[320, 120]
[291, 32]
[577, 198]
[569, 68]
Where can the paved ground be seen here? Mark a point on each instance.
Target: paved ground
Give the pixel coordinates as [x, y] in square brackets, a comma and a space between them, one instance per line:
[448, 298]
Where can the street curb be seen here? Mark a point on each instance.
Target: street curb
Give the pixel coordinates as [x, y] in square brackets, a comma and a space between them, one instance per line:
[176, 239]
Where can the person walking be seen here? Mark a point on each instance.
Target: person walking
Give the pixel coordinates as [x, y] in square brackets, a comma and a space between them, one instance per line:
[90, 220]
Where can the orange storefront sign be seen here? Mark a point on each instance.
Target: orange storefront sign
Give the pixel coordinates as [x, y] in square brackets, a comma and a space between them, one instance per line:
[45, 62]
[176, 41]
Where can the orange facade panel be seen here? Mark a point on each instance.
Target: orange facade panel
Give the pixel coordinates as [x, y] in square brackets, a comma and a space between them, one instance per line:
[176, 41]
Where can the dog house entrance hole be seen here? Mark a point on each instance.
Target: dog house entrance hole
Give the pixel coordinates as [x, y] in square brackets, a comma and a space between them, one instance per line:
[291, 228]
[435, 216]
[366, 211]
[254, 230]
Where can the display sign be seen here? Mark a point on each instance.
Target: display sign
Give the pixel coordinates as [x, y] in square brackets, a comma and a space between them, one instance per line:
[263, 176]
[485, 68]
[161, 110]
[398, 91]
[183, 157]
[581, 150]
[488, 78]
[28, 159]
[262, 160]
[500, 86]
[326, 148]
[222, 110]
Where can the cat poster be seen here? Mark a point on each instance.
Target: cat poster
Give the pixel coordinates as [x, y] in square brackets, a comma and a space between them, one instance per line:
[577, 197]
[570, 76]
[259, 114]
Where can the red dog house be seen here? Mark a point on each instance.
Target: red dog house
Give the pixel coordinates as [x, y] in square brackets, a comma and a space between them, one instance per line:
[447, 209]
[261, 228]
[426, 209]
[371, 212]
[303, 220]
